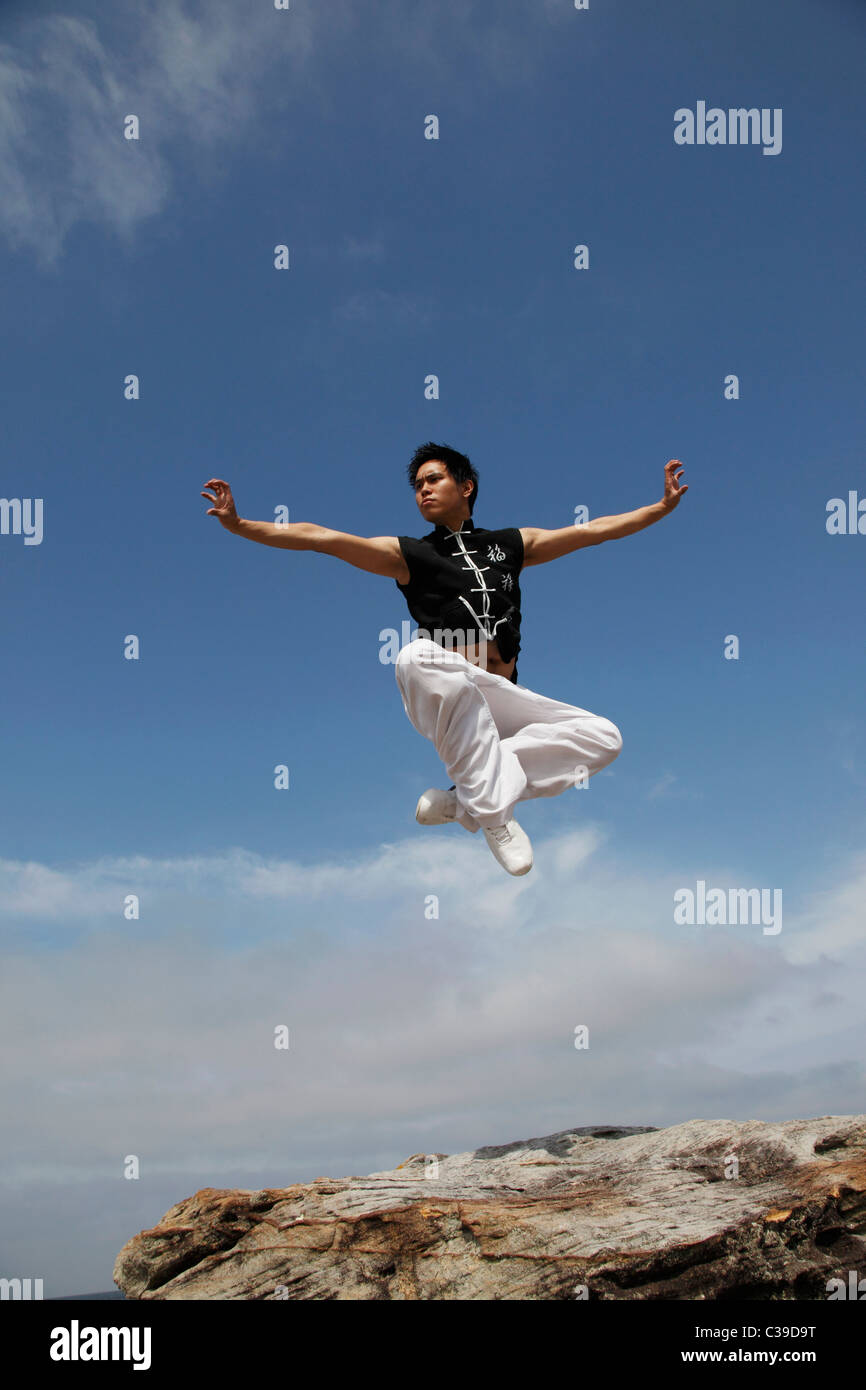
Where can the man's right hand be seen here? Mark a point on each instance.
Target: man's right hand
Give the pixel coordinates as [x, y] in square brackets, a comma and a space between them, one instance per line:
[224, 507]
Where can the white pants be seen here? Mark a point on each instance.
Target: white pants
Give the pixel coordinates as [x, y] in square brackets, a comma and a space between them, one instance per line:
[500, 742]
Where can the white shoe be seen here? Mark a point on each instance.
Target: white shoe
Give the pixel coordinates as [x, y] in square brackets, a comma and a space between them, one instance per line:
[510, 845]
[436, 807]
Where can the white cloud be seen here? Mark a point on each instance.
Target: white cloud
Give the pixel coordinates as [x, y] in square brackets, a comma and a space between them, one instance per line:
[203, 76]
[167, 1021]
[194, 79]
[832, 925]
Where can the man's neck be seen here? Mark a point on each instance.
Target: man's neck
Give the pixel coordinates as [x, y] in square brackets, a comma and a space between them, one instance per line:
[463, 523]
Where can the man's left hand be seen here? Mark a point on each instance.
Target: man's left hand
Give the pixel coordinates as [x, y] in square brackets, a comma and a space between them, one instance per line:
[673, 492]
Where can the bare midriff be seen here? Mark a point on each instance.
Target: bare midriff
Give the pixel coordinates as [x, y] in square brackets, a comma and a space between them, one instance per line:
[487, 656]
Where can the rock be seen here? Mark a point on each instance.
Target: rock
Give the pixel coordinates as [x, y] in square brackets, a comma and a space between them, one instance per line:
[703, 1210]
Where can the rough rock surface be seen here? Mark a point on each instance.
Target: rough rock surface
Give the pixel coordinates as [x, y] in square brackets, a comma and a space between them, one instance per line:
[600, 1212]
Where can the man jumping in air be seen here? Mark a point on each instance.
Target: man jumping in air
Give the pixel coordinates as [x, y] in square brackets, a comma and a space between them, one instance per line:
[500, 742]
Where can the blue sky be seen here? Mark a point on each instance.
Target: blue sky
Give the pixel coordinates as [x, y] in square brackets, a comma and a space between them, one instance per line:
[305, 388]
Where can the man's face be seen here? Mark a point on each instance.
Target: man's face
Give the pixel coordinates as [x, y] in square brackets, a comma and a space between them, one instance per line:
[436, 492]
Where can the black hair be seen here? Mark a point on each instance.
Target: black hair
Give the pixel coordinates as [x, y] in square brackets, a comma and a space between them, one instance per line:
[458, 466]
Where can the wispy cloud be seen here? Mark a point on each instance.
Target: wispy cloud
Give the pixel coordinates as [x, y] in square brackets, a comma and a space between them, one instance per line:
[192, 75]
[202, 78]
[847, 741]
[669, 785]
[665, 782]
[359, 249]
[385, 310]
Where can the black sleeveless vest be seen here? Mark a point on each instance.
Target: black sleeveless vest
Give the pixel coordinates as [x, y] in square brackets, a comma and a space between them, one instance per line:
[466, 581]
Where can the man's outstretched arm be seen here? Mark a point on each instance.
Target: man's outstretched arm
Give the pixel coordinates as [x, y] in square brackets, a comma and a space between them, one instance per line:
[375, 554]
[540, 546]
